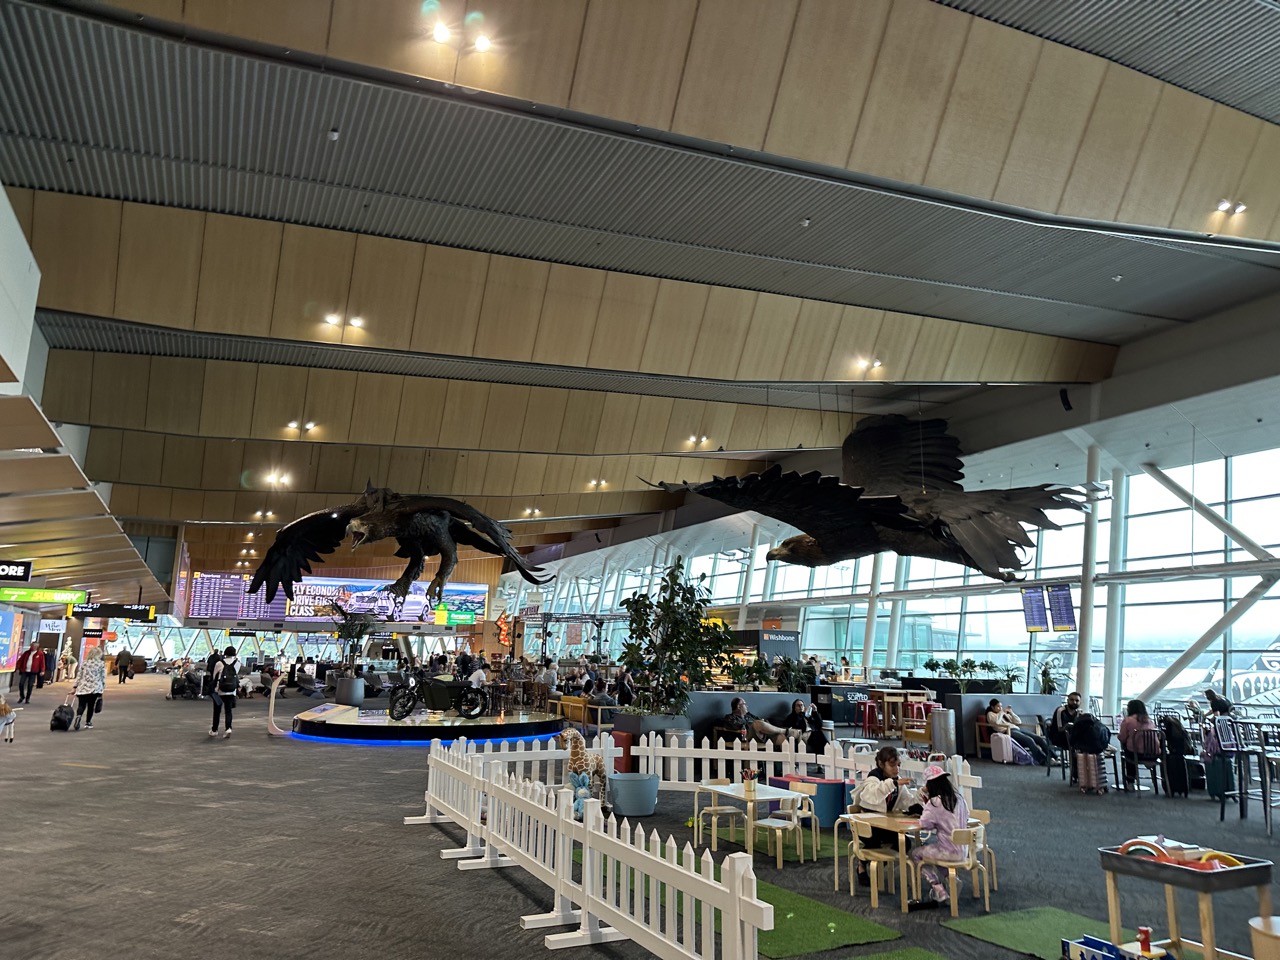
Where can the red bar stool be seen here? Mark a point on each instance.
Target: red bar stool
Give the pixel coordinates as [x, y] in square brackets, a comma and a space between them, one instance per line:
[930, 706]
[916, 710]
[871, 722]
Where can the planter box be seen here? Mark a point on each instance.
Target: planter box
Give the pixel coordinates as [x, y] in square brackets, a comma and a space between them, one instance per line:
[638, 724]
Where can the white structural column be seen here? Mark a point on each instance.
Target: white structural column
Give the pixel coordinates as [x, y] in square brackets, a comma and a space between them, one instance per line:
[1118, 547]
[605, 576]
[1241, 606]
[744, 595]
[869, 630]
[1088, 566]
[895, 615]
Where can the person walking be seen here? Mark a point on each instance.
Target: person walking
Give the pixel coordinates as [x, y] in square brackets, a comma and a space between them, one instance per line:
[123, 660]
[30, 665]
[225, 681]
[89, 686]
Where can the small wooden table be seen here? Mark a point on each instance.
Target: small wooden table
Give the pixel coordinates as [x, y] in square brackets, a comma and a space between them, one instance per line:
[763, 792]
[902, 826]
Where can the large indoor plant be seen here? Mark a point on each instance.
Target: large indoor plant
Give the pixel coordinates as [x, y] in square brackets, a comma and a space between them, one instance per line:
[674, 646]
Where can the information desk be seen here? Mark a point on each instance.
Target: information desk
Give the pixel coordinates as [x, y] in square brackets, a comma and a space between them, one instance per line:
[1250, 873]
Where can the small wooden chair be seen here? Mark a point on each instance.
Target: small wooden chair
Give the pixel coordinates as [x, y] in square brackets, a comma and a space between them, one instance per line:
[715, 810]
[805, 811]
[979, 821]
[972, 863]
[874, 858]
[785, 820]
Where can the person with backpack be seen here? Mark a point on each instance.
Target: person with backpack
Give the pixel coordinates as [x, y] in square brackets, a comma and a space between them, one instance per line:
[225, 682]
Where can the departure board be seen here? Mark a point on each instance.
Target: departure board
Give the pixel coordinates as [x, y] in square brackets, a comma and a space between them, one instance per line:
[224, 596]
[1033, 609]
[1061, 608]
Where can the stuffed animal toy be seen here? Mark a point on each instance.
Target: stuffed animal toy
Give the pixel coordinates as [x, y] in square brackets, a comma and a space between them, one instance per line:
[586, 771]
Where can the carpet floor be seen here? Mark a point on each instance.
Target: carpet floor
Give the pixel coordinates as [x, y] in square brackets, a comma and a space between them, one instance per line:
[143, 838]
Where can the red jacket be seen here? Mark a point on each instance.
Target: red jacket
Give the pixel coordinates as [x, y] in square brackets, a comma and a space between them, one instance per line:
[31, 661]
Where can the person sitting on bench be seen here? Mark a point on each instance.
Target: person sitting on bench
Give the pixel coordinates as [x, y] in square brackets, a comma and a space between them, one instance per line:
[749, 725]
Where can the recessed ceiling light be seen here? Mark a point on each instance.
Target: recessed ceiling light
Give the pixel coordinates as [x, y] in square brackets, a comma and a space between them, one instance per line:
[805, 222]
[270, 514]
[309, 425]
[1117, 278]
[250, 534]
[271, 478]
[357, 322]
[863, 364]
[1240, 208]
[693, 439]
[875, 363]
[1224, 205]
[441, 33]
[332, 319]
[293, 424]
[482, 43]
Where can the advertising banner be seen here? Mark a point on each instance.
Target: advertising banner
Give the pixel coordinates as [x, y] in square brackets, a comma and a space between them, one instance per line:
[37, 595]
[15, 571]
[10, 640]
[53, 626]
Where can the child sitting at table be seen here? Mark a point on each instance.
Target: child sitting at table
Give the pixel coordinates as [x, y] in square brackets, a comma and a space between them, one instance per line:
[883, 792]
[944, 812]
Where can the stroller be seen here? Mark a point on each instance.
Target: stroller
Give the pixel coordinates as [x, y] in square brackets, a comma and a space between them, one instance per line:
[185, 687]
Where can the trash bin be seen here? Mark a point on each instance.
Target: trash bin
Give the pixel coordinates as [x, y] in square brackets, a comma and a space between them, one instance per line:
[942, 731]
[350, 691]
[1265, 932]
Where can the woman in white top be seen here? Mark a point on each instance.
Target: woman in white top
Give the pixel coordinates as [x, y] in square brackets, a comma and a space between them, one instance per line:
[89, 686]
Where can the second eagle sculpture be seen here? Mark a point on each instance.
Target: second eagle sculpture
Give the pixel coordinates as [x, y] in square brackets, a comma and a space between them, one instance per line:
[421, 525]
[899, 490]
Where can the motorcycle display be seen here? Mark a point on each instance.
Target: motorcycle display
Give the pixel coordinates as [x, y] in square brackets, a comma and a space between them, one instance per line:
[435, 693]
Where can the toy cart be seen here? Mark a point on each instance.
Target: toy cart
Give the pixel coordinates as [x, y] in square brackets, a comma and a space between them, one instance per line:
[1173, 875]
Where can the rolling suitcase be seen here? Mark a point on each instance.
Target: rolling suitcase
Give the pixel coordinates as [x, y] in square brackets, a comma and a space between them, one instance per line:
[1001, 748]
[1090, 771]
[62, 717]
[1220, 778]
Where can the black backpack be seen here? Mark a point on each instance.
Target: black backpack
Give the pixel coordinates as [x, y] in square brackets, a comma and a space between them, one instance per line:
[227, 679]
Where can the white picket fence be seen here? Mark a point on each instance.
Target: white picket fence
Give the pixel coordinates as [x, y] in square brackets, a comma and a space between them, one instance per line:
[682, 765]
[632, 886]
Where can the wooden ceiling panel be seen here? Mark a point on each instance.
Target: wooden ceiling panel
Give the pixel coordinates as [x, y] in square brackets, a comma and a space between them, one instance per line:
[222, 463]
[809, 350]
[118, 390]
[513, 297]
[1257, 184]
[716, 425]
[376, 408]
[60, 548]
[733, 68]
[568, 315]
[469, 472]
[422, 404]
[581, 424]
[626, 310]
[504, 417]
[150, 235]
[394, 34]
[1054, 117]
[29, 472]
[1109, 149]
[314, 282]
[141, 457]
[896, 343]
[385, 283]
[76, 242]
[500, 475]
[298, 463]
[725, 323]
[66, 378]
[1035, 359]
[617, 423]
[437, 472]
[631, 59]
[652, 418]
[58, 529]
[124, 500]
[543, 420]
[183, 461]
[1217, 169]
[226, 409]
[331, 396]
[909, 88]
[335, 467]
[464, 412]
[1001, 362]
[986, 99]
[154, 502]
[771, 328]
[558, 477]
[175, 394]
[969, 351]
[405, 471]
[293, 24]
[50, 506]
[825, 78]
[932, 351]
[449, 300]
[23, 426]
[775, 429]
[221, 505]
[238, 265]
[857, 338]
[683, 427]
[1176, 129]
[535, 49]
[531, 470]
[673, 331]
[279, 395]
[186, 504]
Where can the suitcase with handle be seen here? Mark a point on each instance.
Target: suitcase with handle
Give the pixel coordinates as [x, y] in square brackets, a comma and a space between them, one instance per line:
[62, 717]
[1001, 748]
[1090, 771]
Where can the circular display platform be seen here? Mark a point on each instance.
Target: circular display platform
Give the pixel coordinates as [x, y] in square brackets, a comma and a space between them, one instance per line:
[336, 722]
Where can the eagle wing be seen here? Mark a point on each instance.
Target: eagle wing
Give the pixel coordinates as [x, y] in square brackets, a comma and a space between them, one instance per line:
[301, 543]
[891, 454]
[471, 527]
[833, 513]
[988, 524]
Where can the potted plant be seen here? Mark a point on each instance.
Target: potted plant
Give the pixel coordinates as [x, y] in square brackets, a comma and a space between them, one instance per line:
[933, 665]
[988, 668]
[672, 641]
[1010, 675]
[1048, 679]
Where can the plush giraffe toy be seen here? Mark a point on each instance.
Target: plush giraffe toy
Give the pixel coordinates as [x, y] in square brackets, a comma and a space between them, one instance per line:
[585, 770]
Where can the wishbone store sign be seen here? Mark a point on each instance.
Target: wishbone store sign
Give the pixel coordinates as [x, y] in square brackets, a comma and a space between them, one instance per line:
[15, 571]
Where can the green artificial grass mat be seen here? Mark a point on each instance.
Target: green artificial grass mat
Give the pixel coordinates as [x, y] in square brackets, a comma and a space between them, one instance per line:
[1038, 931]
[906, 953]
[826, 846]
[803, 925]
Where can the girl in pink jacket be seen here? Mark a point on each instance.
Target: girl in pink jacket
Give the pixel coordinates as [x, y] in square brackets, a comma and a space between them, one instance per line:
[944, 812]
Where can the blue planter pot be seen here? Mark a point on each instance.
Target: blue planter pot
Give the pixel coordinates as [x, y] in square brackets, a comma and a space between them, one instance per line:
[633, 794]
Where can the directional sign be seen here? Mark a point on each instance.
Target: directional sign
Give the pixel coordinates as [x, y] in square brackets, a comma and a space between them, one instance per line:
[121, 611]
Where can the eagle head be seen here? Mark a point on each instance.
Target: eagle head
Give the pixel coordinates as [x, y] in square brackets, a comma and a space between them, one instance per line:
[362, 531]
[802, 550]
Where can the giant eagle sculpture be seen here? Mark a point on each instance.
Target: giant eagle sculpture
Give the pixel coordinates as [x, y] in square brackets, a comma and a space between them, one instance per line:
[421, 525]
[899, 490]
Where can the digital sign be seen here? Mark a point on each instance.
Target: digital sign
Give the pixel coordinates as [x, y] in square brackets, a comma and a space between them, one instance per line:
[223, 596]
[37, 595]
[1034, 611]
[1061, 608]
[140, 612]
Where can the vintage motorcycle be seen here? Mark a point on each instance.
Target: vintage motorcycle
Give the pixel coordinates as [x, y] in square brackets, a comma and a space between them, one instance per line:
[435, 693]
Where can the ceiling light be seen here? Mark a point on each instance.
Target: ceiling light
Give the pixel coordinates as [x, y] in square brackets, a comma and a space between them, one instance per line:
[805, 222]
[594, 482]
[284, 478]
[258, 513]
[1224, 205]
[482, 43]
[271, 478]
[441, 33]
[270, 514]
[1240, 208]
[309, 425]
[357, 322]
[863, 364]
[293, 424]
[243, 552]
[250, 534]
[702, 439]
[875, 363]
[693, 439]
[333, 319]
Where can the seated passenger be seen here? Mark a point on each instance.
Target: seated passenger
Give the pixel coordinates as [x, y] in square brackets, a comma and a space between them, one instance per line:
[748, 725]
[807, 724]
[1003, 720]
[1064, 719]
[883, 791]
[373, 686]
[944, 812]
[1135, 721]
